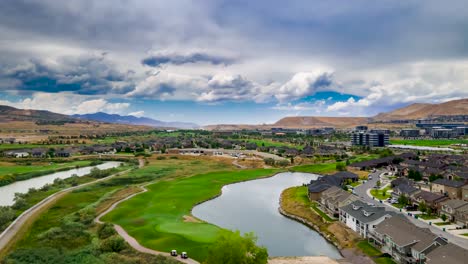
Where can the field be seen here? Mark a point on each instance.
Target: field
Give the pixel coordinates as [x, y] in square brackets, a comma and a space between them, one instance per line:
[13, 168]
[428, 142]
[319, 168]
[156, 218]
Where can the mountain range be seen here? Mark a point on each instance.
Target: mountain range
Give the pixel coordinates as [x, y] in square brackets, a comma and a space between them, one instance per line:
[133, 120]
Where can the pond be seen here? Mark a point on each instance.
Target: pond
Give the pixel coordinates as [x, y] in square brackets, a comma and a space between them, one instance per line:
[252, 206]
[7, 192]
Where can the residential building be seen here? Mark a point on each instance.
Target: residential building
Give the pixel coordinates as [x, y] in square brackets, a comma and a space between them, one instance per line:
[334, 198]
[369, 139]
[452, 189]
[448, 254]
[465, 193]
[432, 200]
[407, 190]
[404, 241]
[450, 208]
[317, 187]
[362, 217]
[410, 133]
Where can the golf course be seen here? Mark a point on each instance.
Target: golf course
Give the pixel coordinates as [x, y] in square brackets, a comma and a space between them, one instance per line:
[161, 218]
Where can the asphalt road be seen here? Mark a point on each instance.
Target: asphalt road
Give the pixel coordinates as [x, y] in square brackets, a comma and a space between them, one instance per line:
[361, 191]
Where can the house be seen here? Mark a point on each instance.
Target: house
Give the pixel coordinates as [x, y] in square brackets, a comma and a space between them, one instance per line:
[17, 154]
[346, 175]
[334, 198]
[362, 217]
[63, 154]
[461, 216]
[432, 200]
[401, 180]
[39, 153]
[449, 253]
[316, 187]
[452, 189]
[465, 193]
[404, 189]
[404, 241]
[450, 207]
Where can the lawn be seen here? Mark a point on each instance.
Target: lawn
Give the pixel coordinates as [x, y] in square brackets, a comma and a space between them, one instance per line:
[319, 168]
[155, 218]
[465, 234]
[374, 253]
[378, 194]
[321, 213]
[442, 223]
[428, 142]
[427, 217]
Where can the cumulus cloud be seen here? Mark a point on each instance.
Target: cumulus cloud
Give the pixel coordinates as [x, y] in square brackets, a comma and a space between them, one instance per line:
[304, 84]
[67, 103]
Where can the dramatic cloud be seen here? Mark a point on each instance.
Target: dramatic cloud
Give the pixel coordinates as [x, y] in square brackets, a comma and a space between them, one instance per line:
[261, 54]
[162, 58]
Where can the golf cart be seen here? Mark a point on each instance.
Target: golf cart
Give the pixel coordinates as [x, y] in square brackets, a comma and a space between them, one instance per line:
[184, 255]
[174, 253]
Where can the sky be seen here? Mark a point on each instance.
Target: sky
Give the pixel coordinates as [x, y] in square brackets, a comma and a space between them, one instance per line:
[232, 61]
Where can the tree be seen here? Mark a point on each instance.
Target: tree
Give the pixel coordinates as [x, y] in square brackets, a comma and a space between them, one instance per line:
[422, 207]
[232, 248]
[269, 161]
[415, 175]
[403, 200]
[378, 183]
[443, 217]
[6, 215]
[340, 166]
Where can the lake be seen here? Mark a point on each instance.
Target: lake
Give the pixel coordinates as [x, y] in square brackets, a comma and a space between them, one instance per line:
[7, 192]
[252, 206]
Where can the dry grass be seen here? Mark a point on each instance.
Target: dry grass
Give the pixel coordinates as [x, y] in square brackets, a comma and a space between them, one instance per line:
[115, 197]
[252, 163]
[362, 174]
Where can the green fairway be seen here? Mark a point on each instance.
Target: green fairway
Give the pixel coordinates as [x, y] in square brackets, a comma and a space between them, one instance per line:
[428, 142]
[316, 168]
[156, 218]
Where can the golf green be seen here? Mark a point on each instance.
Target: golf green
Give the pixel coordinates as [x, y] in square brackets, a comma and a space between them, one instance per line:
[156, 218]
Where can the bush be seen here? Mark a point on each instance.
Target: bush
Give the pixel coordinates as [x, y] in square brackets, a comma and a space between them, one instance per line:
[340, 166]
[113, 244]
[6, 216]
[161, 158]
[106, 230]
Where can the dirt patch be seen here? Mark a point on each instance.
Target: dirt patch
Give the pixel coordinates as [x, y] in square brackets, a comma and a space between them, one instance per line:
[191, 219]
[302, 260]
[346, 237]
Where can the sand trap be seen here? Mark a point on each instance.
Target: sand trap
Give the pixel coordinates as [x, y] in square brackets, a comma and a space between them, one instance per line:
[191, 219]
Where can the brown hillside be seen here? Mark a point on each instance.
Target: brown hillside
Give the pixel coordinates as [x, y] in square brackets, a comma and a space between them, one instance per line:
[418, 111]
[320, 121]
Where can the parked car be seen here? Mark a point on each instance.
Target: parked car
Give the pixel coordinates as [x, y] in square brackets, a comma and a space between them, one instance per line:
[174, 253]
[184, 255]
[369, 178]
[393, 201]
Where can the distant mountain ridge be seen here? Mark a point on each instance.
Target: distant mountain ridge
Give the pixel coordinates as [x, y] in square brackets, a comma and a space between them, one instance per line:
[133, 120]
[8, 113]
[422, 111]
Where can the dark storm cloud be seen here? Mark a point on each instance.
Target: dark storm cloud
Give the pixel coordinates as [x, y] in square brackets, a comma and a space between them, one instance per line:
[179, 59]
[82, 75]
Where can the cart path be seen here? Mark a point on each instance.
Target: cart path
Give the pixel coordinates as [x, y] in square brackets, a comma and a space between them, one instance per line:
[131, 240]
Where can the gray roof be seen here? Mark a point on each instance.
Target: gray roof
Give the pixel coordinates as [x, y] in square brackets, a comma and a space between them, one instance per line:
[406, 188]
[404, 233]
[455, 203]
[445, 182]
[359, 209]
[449, 253]
[429, 196]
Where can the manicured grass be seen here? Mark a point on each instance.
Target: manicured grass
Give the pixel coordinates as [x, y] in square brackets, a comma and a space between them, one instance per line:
[428, 142]
[155, 218]
[384, 260]
[465, 234]
[319, 168]
[321, 213]
[378, 193]
[355, 184]
[427, 217]
[442, 223]
[368, 249]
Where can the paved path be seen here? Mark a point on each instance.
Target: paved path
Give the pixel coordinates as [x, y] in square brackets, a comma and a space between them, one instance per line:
[131, 240]
[363, 191]
[8, 234]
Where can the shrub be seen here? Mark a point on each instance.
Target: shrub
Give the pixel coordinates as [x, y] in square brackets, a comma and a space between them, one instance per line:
[113, 244]
[106, 230]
